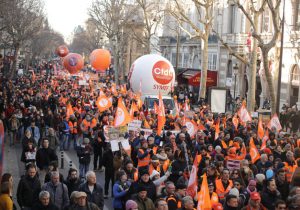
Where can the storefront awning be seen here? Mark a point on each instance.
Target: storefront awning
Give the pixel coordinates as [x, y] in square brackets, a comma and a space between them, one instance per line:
[192, 76]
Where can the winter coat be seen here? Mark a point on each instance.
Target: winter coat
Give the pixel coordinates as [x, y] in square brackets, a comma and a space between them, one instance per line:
[96, 196]
[119, 192]
[44, 156]
[53, 141]
[72, 185]
[177, 166]
[35, 134]
[58, 194]
[84, 153]
[28, 191]
[150, 187]
[268, 198]
[39, 206]
[89, 206]
[108, 160]
[6, 202]
[146, 204]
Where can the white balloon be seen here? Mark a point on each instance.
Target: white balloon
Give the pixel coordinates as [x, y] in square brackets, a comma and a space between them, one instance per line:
[152, 74]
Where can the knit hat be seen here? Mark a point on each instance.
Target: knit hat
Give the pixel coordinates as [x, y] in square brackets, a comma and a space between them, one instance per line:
[235, 192]
[86, 141]
[260, 177]
[255, 196]
[252, 182]
[143, 172]
[268, 164]
[130, 204]
[141, 188]
[154, 173]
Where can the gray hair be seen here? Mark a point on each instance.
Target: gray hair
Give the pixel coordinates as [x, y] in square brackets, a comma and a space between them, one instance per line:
[44, 194]
[187, 199]
[54, 174]
[89, 173]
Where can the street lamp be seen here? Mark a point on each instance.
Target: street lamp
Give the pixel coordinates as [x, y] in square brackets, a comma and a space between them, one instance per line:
[235, 72]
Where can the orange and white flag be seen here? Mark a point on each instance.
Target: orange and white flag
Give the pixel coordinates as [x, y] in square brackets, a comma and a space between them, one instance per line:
[113, 89]
[235, 122]
[186, 106]
[253, 151]
[177, 109]
[274, 122]
[139, 101]
[122, 116]
[260, 129]
[193, 180]
[69, 111]
[204, 202]
[217, 129]
[133, 109]
[161, 118]
[244, 114]
[264, 140]
[192, 127]
[103, 103]
[155, 108]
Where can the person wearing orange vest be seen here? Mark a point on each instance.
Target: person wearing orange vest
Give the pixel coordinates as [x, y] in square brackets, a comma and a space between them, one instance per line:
[213, 196]
[154, 165]
[144, 155]
[223, 185]
[132, 173]
[151, 144]
[163, 159]
[290, 165]
[87, 125]
[73, 130]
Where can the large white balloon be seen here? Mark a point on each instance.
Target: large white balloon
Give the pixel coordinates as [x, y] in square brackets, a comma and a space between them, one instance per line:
[152, 74]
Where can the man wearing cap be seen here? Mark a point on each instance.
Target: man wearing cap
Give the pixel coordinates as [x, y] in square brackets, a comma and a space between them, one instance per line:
[142, 200]
[254, 202]
[82, 202]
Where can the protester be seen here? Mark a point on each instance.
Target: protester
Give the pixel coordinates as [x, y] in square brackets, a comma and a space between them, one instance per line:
[6, 202]
[82, 202]
[45, 155]
[73, 181]
[44, 202]
[84, 152]
[142, 200]
[120, 189]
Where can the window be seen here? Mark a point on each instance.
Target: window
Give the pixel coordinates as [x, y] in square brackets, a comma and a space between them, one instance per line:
[185, 60]
[265, 26]
[212, 61]
[295, 77]
[232, 17]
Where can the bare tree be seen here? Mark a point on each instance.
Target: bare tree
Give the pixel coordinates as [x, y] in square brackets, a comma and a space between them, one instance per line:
[263, 44]
[205, 13]
[22, 20]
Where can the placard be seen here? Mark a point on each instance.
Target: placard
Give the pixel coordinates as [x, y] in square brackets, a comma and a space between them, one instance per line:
[134, 125]
[82, 83]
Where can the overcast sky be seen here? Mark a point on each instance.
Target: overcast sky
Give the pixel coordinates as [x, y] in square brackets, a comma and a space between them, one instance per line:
[65, 15]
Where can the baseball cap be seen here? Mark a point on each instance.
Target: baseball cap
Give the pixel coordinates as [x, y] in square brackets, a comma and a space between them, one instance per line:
[255, 196]
[80, 194]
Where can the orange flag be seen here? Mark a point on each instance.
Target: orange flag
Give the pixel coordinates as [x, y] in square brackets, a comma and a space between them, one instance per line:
[193, 180]
[274, 122]
[235, 122]
[139, 101]
[103, 103]
[192, 128]
[113, 89]
[69, 111]
[217, 127]
[155, 107]
[146, 124]
[204, 202]
[244, 114]
[201, 126]
[122, 116]
[161, 118]
[176, 108]
[260, 129]
[186, 106]
[133, 109]
[253, 151]
[264, 140]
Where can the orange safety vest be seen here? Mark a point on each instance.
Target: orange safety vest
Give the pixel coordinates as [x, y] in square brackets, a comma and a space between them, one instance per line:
[151, 168]
[166, 165]
[289, 171]
[73, 127]
[86, 124]
[145, 161]
[214, 198]
[220, 188]
[154, 150]
[136, 175]
[172, 197]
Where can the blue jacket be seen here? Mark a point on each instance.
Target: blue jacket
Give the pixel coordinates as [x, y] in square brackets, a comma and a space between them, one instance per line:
[119, 194]
[36, 133]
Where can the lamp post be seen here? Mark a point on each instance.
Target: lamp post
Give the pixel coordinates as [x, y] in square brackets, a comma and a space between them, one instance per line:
[235, 72]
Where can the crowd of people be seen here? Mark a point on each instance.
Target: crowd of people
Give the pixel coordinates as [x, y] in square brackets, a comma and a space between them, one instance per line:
[156, 172]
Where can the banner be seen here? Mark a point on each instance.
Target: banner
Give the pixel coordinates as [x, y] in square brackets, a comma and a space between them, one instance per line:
[233, 164]
[134, 125]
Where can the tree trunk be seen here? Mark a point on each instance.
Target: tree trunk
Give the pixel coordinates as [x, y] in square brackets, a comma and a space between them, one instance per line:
[269, 80]
[202, 90]
[252, 71]
[14, 67]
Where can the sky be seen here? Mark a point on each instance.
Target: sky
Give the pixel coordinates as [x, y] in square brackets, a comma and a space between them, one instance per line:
[65, 15]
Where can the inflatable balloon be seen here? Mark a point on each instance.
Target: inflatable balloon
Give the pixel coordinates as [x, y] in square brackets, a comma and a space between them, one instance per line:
[100, 59]
[269, 174]
[153, 74]
[73, 62]
[62, 51]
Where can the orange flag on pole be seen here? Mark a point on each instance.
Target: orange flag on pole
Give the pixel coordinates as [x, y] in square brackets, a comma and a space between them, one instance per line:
[217, 128]
[193, 180]
[155, 107]
[264, 140]
[133, 109]
[69, 110]
[274, 122]
[260, 129]
[161, 118]
[253, 151]
[192, 128]
[204, 202]
[201, 126]
[122, 116]
[103, 103]
[244, 114]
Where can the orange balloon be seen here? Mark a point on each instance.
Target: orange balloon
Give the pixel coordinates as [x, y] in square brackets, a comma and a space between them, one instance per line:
[73, 62]
[62, 51]
[100, 59]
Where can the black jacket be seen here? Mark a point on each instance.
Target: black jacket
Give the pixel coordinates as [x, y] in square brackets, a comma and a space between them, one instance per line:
[84, 154]
[150, 187]
[108, 157]
[44, 156]
[28, 191]
[177, 166]
[268, 198]
[39, 206]
[72, 185]
[96, 196]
